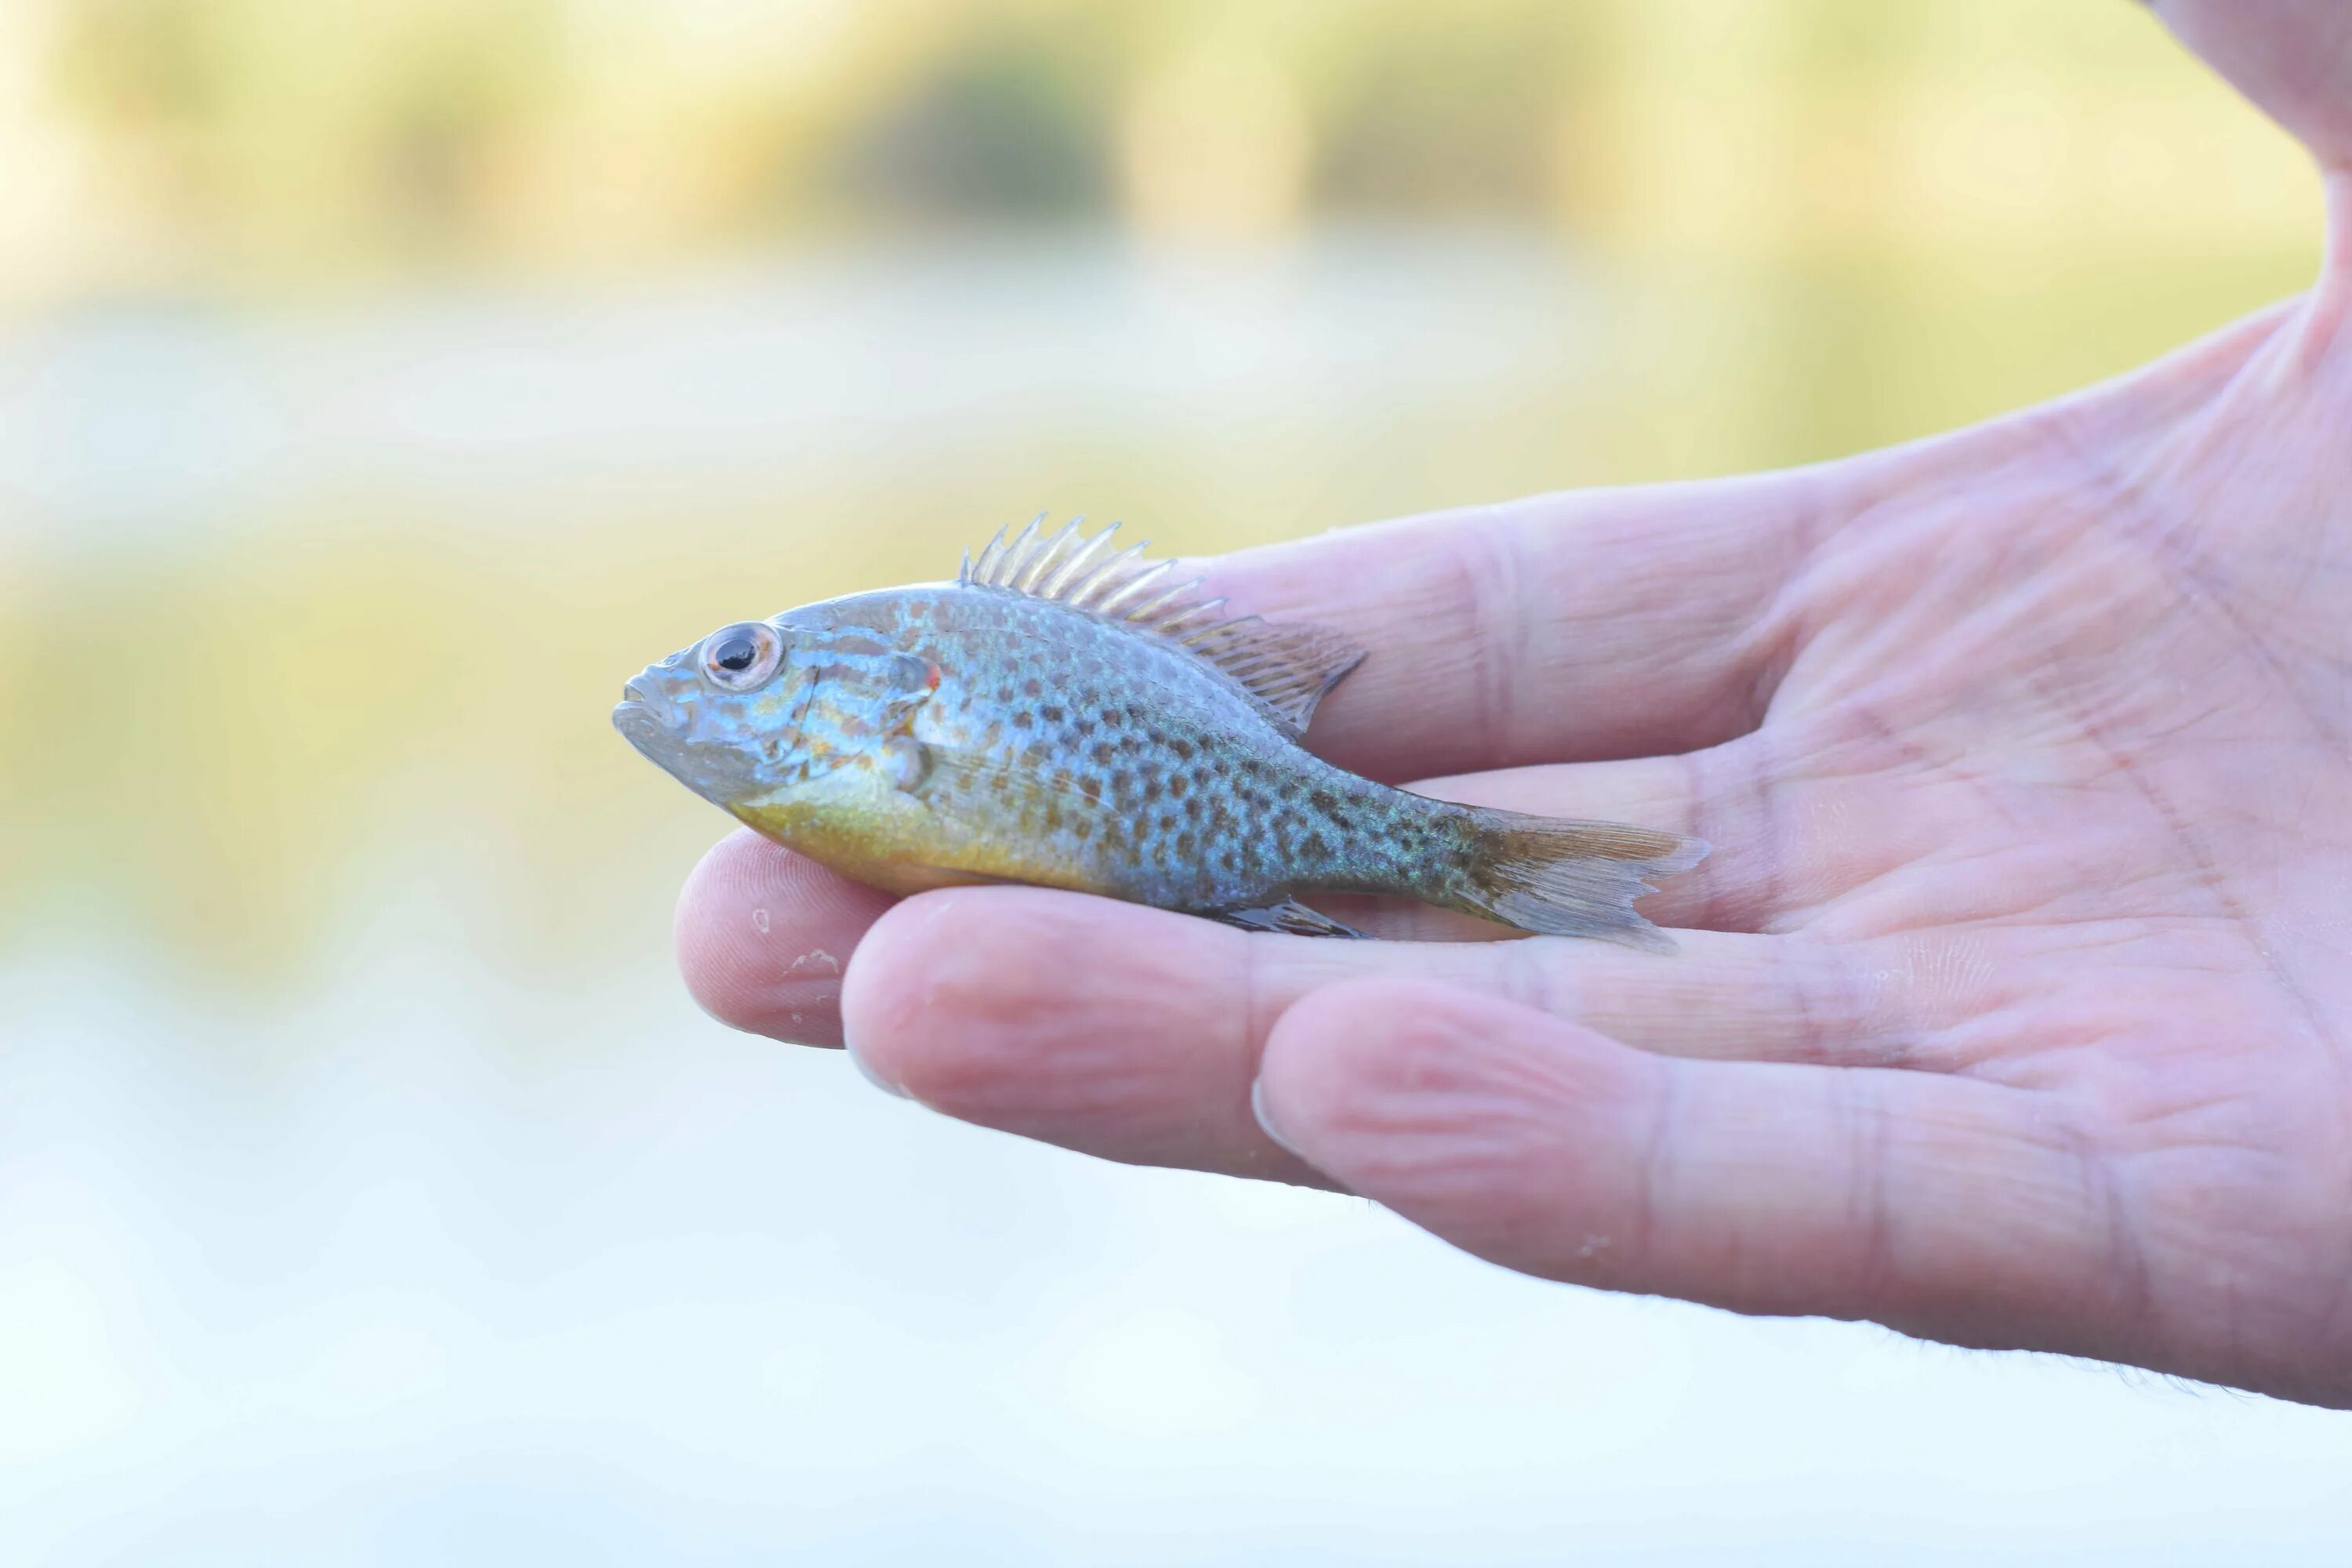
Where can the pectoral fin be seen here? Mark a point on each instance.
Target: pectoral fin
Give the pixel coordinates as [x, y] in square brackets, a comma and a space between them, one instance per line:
[905, 762]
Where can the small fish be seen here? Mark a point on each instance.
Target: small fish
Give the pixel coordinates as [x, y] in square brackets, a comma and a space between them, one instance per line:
[1066, 715]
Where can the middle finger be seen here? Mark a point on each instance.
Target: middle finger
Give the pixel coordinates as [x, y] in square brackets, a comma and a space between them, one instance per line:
[1134, 1033]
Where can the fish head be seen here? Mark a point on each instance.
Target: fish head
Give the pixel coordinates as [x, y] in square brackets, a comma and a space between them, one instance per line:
[721, 716]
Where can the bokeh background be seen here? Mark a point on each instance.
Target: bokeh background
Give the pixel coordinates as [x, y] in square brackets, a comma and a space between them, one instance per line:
[380, 381]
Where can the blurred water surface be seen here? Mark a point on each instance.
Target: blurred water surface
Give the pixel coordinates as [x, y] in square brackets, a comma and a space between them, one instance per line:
[369, 1193]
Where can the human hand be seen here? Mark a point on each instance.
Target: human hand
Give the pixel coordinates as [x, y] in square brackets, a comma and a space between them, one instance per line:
[2014, 1006]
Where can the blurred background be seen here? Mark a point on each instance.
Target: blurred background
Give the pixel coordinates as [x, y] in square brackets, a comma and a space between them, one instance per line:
[380, 382]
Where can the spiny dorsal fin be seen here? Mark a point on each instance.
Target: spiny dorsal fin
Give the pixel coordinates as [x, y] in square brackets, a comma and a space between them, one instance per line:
[1287, 669]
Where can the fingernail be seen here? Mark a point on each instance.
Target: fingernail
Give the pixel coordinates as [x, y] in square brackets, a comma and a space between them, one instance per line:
[866, 1072]
[1265, 1123]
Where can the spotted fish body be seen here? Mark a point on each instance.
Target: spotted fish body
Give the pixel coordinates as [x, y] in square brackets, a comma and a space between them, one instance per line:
[1065, 716]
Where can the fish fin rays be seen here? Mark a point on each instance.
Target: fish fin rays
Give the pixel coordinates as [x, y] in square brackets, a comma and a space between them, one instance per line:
[970, 775]
[1287, 669]
[1290, 918]
[1559, 877]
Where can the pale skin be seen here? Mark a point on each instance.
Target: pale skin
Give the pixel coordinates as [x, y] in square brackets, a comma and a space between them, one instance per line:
[2014, 1006]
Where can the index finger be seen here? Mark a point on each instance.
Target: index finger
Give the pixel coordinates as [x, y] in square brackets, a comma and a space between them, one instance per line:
[1586, 625]
[763, 934]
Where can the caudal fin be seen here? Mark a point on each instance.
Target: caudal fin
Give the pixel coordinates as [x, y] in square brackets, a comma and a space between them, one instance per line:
[1569, 879]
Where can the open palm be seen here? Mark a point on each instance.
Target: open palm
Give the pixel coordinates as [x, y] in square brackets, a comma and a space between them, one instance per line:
[2014, 1006]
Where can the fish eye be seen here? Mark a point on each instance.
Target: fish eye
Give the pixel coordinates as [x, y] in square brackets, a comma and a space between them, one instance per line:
[739, 657]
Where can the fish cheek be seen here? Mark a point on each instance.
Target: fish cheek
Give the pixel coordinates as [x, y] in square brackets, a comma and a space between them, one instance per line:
[772, 706]
[763, 730]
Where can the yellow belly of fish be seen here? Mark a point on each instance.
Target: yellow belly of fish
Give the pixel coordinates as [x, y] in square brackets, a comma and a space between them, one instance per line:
[853, 820]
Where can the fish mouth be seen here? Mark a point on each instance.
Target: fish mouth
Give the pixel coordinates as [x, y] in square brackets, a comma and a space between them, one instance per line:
[642, 710]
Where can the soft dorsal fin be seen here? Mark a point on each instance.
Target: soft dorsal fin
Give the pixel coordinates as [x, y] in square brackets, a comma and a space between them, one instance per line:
[1287, 669]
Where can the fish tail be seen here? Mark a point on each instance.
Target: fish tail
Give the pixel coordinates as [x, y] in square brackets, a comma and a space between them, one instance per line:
[1561, 877]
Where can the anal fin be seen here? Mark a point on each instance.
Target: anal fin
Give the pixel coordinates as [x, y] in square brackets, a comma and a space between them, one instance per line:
[1290, 917]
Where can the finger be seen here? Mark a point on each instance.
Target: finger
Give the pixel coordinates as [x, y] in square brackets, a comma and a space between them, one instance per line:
[1052, 1015]
[1794, 815]
[1134, 1033]
[1943, 1205]
[763, 934]
[1604, 624]
[2292, 58]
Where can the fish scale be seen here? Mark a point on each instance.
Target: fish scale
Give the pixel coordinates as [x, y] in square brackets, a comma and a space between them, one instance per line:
[1143, 767]
[1065, 716]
